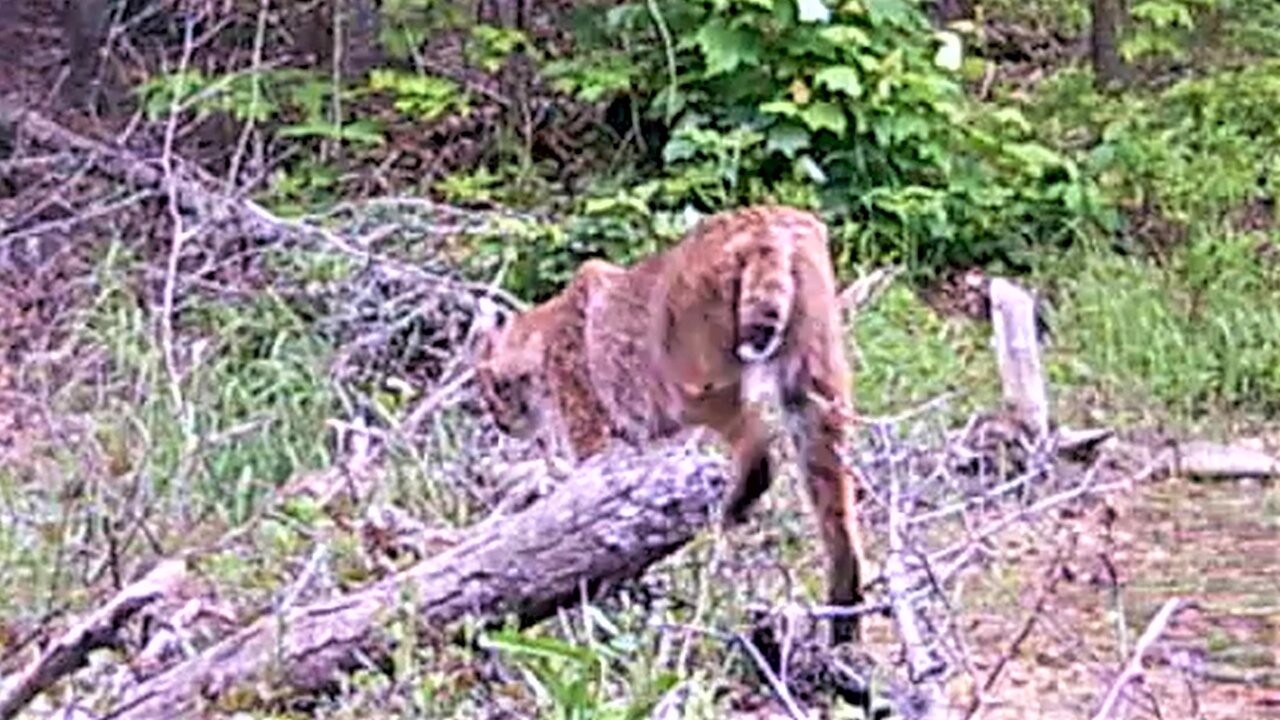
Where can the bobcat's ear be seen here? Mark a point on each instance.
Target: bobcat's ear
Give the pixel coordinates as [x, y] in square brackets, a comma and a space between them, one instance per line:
[489, 321]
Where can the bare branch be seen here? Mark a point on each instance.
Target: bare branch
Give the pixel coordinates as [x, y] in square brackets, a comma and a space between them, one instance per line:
[1133, 668]
[924, 666]
[194, 192]
[864, 290]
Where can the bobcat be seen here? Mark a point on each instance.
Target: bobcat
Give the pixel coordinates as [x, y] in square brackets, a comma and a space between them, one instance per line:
[741, 310]
[532, 372]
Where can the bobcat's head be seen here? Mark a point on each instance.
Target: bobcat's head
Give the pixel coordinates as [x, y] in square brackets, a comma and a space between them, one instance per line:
[508, 364]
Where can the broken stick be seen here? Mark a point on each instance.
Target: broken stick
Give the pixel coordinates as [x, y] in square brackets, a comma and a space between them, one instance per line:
[1133, 668]
[1013, 321]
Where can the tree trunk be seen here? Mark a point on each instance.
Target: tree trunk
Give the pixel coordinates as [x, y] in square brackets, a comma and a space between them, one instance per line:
[607, 523]
[84, 28]
[949, 11]
[1108, 68]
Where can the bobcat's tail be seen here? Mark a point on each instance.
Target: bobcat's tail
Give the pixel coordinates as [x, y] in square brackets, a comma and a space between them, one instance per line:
[765, 297]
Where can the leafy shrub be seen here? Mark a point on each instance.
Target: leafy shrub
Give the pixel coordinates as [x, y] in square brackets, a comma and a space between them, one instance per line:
[1173, 31]
[853, 109]
[1160, 150]
[296, 101]
[423, 96]
[537, 259]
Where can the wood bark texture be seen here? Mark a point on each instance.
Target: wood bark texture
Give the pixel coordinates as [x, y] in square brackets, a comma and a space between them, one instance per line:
[1108, 66]
[1203, 459]
[70, 651]
[1013, 321]
[616, 516]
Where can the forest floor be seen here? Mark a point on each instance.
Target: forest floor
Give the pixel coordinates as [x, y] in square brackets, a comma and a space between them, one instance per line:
[1213, 544]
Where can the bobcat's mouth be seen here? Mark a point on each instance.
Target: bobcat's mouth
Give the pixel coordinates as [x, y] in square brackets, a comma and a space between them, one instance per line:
[510, 411]
[759, 341]
[516, 427]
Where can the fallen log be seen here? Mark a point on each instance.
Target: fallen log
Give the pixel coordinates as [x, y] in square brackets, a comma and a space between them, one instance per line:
[1204, 460]
[70, 651]
[617, 515]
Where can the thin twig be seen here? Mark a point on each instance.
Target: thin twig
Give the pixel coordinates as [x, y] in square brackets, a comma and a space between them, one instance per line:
[180, 235]
[779, 688]
[1047, 589]
[757, 658]
[255, 99]
[64, 225]
[1133, 668]
[673, 79]
[299, 586]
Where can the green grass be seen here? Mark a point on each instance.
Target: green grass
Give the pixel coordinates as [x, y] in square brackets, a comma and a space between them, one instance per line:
[1195, 340]
[245, 412]
[905, 354]
[194, 454]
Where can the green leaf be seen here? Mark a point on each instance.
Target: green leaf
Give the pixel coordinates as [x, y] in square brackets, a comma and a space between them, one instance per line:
[1034, 156]
[787, 138]
[825, 116]
[360, 131]
[679, 148]
[896, 12]
[811, 169]
[813, 11]
[841, 79]
[845, 36]
[1011, 116]
[725, 48]
[542, 647]
[364, 131]
[1164, 14]
[780, 107]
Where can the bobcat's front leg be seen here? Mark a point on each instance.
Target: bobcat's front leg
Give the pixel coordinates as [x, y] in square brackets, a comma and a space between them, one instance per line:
[750, 440]
[559, 461]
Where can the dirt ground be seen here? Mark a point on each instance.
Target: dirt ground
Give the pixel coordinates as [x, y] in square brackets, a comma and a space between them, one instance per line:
[1215, 545]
